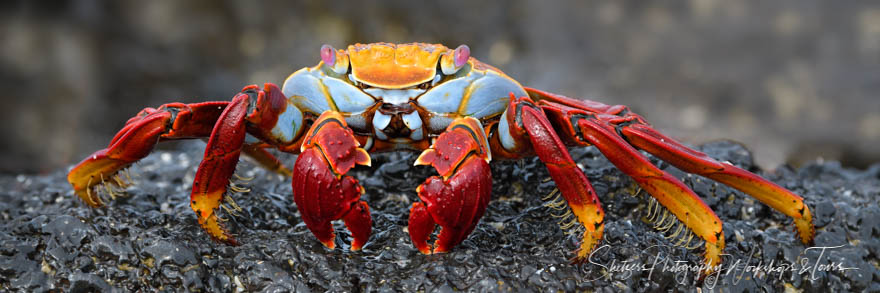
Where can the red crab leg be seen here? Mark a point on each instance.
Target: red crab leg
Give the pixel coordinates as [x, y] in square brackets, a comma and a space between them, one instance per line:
[266, 159]
[223, 122]
[638, 133]
[668, 190]
[136, 140]
[457, 200]
[529, 126]
[253, 106]
[217, 166]
[322, 191]
[585, 129]
[692, 161]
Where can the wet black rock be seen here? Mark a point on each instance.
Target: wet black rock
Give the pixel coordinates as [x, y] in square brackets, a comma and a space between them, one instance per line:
[149, 239]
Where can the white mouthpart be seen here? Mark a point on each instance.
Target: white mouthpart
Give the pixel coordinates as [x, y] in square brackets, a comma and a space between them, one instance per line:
[395, 97]
[380, 121]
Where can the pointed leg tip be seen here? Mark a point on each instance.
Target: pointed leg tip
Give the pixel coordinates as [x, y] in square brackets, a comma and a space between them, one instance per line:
[579, 258]
[712, 257]
[591, 240]
[442, 249]
[217, 232]
[807, 236]
[424, 248]
[87, 196]
[805, 228]
[330, 244]
[229, 240]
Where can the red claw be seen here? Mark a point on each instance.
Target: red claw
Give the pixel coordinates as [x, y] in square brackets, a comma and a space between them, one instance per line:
[456, 205]
[322, 198]
[322, 191]
[457, 202]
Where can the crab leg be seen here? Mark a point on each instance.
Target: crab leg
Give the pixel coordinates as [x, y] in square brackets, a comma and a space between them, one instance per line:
[457, 199]
[266, 159]
[668, 190]
[253, 106]
[689, 160]
[137, 139]
[639, 133]
[322, 191]
[585, 128]
[217, 166]
[530, 131]
[223, 122]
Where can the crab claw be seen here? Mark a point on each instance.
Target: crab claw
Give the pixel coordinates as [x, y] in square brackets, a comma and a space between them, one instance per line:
[456, 204]
[457, 200]
[321, 190]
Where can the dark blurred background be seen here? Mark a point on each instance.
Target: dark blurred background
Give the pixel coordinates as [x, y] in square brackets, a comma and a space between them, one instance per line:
[793, 80]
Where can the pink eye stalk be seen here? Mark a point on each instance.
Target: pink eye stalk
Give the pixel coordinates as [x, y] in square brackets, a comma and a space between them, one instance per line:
[328, 55]
[462, 53]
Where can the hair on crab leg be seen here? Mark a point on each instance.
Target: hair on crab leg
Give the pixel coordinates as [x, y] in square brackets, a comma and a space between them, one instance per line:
[652, 211]
[127, 175]
[232, 203]
[672, 221]
[229, 210]
[556, 205]
[662, 221]
[675, 234]
[555, 191]
[576, 230]
[697, 245]
[566, 214]
[242, 178]
[568, 225]
[646, 138]
[681, 241]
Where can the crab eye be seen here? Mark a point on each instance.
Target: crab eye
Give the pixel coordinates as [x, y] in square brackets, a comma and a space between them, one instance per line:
[452, 61]
[328, 55]
[462, 53]
[338, 62]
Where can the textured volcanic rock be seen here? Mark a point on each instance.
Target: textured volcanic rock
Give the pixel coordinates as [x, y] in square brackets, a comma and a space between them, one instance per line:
[149, 239]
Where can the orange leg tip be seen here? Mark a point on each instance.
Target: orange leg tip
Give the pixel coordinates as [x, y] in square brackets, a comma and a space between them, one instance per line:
[712, 256]
[87, 196]
[330, 244]
[441, 249]
[589, 240]
[216, 230]
[425, 249]
[94, 170]
[804, 226]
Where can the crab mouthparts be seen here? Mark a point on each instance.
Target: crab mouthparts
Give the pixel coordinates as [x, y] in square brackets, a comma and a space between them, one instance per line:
[394, 97]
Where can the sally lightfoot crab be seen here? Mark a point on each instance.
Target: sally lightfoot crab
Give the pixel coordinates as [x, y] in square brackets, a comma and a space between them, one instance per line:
[459, 112]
